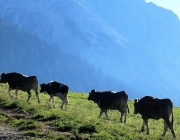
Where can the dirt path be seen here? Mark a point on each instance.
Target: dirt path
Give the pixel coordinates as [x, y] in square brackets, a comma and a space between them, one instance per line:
[9, 133]
[12, 133]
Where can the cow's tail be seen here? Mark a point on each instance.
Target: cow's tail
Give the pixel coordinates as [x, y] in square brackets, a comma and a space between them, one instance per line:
[35, 84]
[36, 88]
[172, 116]
[127, 104]
[172, 119]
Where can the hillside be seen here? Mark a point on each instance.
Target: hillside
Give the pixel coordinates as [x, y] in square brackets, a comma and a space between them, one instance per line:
[134, 41]
[26, 53]
[80, 121]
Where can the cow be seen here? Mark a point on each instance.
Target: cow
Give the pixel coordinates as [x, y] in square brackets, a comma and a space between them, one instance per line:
[54, 88]
[110, 100]
[154, 108]
[22, 82]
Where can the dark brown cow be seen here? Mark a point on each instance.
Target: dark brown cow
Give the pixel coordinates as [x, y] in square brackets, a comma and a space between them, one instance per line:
[110, 100]
[153, 108]
[22, 82]
[54, 88]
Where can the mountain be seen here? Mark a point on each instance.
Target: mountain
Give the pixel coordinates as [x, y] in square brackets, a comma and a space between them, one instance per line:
[134, 41]
[23, 52]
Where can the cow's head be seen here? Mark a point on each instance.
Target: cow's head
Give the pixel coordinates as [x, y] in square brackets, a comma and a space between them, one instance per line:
[136, 106]
[92, 95]
[43, 88]
[3, 78]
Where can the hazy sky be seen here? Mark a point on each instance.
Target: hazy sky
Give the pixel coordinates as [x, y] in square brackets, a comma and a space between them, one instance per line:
[173, 5]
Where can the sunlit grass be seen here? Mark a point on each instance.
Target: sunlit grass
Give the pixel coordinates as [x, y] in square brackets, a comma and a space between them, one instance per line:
[79, 121]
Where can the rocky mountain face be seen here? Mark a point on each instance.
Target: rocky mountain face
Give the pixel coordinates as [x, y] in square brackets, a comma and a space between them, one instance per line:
[133, 41]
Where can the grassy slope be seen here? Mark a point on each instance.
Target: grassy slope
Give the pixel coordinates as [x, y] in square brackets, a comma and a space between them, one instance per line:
[80, 121]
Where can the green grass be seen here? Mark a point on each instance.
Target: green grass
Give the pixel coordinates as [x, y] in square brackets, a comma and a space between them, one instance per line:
[80, 121]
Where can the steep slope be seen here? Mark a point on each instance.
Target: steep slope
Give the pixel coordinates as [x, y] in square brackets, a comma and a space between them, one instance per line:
[134, 41]
[25, 53]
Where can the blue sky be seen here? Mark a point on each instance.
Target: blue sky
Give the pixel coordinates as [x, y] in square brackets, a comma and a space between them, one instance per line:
[173, 5]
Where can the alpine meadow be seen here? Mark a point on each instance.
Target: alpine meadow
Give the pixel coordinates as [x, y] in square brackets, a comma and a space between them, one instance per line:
[79, 121]
[116, 51]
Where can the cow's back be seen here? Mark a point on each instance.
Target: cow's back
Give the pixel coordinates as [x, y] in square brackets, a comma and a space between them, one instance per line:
[154, 107]
[15, 79]
[53, 87]
[30, 82]
[63, 89]
[105, 98]
[110, 99]
[120, 100]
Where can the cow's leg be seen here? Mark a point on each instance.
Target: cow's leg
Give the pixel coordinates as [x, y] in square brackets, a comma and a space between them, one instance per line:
[53, 102]
[9, 89]
[62, 105]
[29, 95]
[124, 117]
[106, 114]
[166, 125]
[121, 118]
[50, 100]
[146, 124]
[65, 101]
[37, 95]
[100, 114]
[165, 128]
[16, 92]
[142, 127]
[63, 98]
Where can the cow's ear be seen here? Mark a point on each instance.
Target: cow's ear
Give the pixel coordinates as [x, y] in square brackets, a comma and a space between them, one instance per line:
[93, 90]
[136, 100]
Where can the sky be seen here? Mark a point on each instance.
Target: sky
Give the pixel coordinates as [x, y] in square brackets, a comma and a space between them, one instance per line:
[173, 5]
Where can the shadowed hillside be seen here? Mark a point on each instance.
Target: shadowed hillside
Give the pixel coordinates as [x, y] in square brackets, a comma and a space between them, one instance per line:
[22, 52]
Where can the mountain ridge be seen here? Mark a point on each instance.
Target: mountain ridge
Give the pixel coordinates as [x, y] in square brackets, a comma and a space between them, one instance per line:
[136, 41]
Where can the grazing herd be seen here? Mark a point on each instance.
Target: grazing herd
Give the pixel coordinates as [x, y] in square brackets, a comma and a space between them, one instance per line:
[149, 107]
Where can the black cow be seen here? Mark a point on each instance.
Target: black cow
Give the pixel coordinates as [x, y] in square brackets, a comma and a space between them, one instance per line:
[54, 88]
[22, 82]
[153, 108]
[110, 100]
